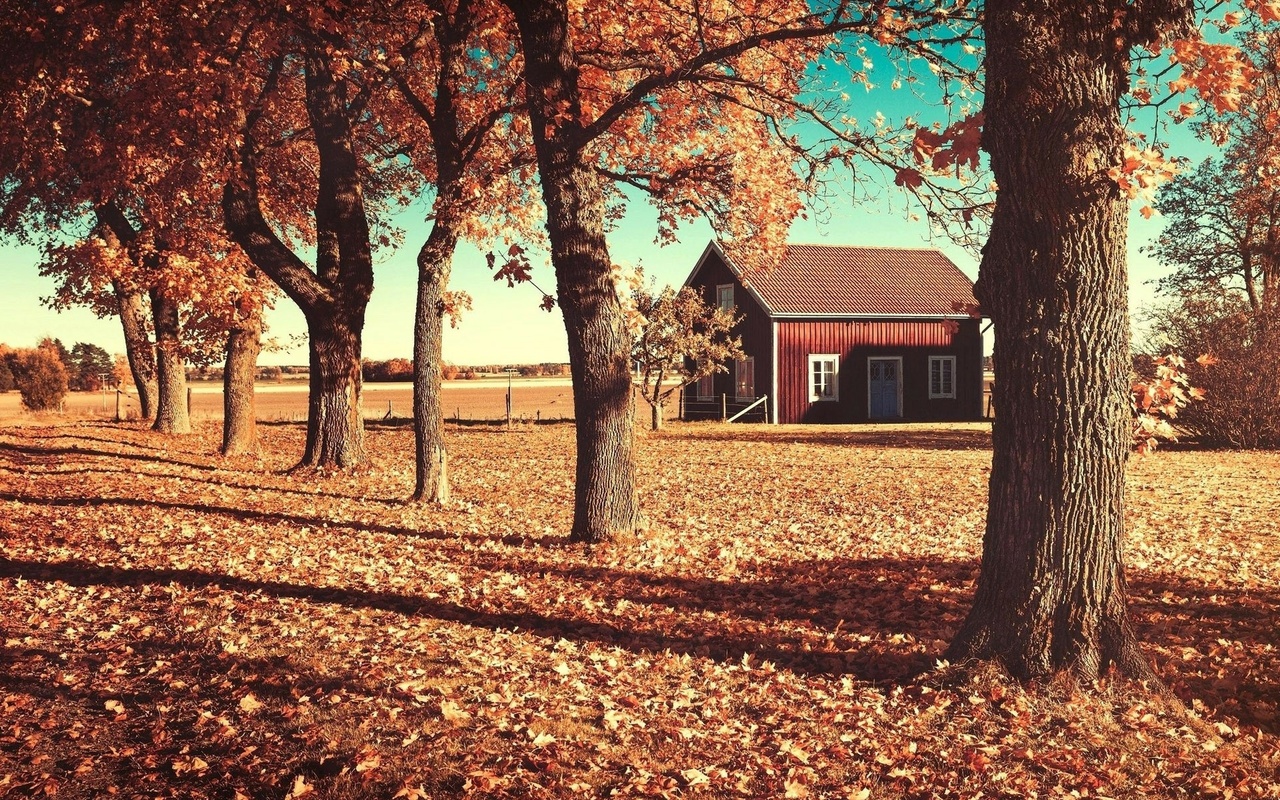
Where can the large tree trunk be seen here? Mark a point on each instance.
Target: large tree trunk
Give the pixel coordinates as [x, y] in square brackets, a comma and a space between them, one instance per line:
[138, 348]
[239, 415]
[1051, 591]
[171, 369]
[335, 421]
[435, 261]
[605, 502]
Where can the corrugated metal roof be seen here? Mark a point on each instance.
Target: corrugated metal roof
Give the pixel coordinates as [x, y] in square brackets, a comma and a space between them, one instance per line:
[833, 279]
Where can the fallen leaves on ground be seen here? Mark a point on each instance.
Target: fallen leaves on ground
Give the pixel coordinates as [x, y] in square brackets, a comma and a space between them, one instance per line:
[175, 624]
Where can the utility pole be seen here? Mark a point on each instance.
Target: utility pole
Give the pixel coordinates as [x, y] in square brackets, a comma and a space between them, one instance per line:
[510, 371]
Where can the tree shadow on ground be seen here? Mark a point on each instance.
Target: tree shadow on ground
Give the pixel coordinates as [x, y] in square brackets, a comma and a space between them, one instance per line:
[182, 686]
[24, 454]
[1215, 644]
[48, 458]
[263, 517]
[882, 621]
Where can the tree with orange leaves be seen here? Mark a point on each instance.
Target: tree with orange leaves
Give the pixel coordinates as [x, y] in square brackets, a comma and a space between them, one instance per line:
[121, 175]
[455, 98]
[310, 164]
[604, 87]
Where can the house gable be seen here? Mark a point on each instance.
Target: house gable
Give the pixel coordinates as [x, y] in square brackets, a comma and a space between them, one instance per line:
[755, 327]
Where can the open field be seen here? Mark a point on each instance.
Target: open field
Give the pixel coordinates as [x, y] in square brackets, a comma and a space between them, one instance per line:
[175, 624]
[470, 401]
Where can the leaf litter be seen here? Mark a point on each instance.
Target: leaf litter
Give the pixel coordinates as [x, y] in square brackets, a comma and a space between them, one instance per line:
[176, 624]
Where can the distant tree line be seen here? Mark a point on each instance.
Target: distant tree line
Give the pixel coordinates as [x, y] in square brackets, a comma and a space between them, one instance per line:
[401, 369]
[44, 374]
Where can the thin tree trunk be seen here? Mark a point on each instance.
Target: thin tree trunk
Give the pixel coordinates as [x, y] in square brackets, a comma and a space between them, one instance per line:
[435, 261]
[1051, 591]
[138, 348]
[239, 415]
[605, 502]
[171, 369]
[335, 421]
[132, 303]
[657, 416]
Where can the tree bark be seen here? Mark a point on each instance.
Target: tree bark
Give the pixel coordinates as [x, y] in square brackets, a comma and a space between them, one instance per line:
[435, 261]
[239, 415]
[171, 369]
[657, 416]
[605, 502]
[138, 348]
[1051, 591]
[335, 420]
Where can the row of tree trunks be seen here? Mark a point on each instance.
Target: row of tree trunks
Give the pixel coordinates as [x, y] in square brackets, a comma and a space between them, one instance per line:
[605, 501]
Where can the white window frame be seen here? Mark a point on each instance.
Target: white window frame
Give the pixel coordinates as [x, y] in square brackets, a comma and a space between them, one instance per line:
[738, 367]
[721, 288]
[942, 394]
[814, 359]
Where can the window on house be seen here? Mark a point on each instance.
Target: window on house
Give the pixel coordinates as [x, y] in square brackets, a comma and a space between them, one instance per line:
[724, 296]
[942, 377]
[706, 387]
[745, 379]
[824, 373]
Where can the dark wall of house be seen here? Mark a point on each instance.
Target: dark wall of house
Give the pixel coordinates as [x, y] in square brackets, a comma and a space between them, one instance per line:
[754, 328]
[856, 341]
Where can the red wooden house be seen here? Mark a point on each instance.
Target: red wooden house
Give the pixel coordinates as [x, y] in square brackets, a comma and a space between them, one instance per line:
[846, 334]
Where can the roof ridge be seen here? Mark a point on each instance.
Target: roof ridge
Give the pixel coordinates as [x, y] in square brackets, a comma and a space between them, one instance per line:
[865, 247]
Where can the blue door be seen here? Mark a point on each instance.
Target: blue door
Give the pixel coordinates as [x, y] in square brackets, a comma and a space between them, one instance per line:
[882, 378]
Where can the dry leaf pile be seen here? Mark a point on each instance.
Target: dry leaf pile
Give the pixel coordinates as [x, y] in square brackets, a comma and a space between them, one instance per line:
[175, 624]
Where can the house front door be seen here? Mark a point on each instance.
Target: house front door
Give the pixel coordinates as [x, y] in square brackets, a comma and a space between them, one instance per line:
[883, 384]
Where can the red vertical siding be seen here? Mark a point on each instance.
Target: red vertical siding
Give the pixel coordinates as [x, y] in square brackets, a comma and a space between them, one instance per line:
[855, 342]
